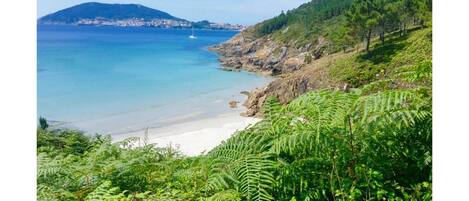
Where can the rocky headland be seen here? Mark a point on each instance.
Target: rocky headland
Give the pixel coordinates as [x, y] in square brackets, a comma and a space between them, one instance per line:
[296, 69]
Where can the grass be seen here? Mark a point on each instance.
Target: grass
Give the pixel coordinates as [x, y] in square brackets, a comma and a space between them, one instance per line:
[383, 60]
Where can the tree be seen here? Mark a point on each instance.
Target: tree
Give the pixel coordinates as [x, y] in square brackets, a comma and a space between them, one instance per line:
[419, 12]
[424, 13]
[363, 17]
[43, 123]
[388, 17]
[342, 37]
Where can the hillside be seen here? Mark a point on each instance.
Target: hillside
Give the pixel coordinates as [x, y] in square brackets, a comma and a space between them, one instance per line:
[315, 33]
[284, 43]
[95, 10]
[346, 70]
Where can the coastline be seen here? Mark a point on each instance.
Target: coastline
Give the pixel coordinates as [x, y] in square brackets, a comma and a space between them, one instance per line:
[181, 109]
[198, 136]
[194, 137]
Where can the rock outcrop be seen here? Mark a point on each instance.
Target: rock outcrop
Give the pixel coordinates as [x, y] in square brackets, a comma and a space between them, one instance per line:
[270, 57]
[266, 55]
[288, 87]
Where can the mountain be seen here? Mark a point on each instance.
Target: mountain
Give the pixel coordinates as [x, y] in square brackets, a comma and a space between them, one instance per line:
[93, 10]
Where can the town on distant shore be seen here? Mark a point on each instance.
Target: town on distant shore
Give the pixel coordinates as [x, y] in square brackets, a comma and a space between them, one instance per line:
[158, 23]
[126, 15]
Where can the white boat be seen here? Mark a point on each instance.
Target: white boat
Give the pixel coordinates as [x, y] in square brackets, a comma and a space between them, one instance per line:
[192, 36]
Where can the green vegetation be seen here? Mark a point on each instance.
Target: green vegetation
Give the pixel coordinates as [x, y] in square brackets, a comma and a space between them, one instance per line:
[385, 61]
[308, 15]
[383, 16]
[346, 22]
[306, 23]
[372, 141]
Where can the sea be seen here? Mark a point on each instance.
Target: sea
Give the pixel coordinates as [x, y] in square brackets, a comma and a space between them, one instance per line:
[114, 80]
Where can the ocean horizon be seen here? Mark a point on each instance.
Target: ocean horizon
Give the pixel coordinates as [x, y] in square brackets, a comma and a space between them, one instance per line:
[112, 80]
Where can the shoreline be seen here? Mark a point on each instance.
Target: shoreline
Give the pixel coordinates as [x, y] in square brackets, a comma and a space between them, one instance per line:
[196, 120]
[194, 137]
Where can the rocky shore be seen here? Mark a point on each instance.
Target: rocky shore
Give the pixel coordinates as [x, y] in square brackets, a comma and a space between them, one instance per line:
[297, 69]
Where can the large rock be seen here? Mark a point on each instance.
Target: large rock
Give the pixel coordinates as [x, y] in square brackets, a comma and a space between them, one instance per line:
[288, 87]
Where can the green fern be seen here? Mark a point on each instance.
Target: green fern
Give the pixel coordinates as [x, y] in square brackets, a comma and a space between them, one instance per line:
[228, 195]
[419, 74]
[271, 108]
[320, 112]
[397, 107]
[106, 192]
[48, 167]
[256, 178]
[237, 165]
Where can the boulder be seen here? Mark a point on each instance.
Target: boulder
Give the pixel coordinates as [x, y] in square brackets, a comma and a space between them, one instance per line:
[245, 93]
[233, 104]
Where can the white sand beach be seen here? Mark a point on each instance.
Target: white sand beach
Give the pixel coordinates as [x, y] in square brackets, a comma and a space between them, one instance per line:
[195, 137]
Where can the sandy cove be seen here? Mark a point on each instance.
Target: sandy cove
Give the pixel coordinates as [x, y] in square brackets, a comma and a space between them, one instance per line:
[194, 137]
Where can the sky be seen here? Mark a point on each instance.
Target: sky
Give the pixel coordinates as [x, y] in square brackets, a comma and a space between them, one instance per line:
[245, 12]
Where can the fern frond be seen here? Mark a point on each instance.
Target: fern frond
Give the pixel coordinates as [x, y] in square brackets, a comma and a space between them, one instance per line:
[241, 144]
[271, 108]
[48, 167]
[396, 107]
[106, 192]
[256, 178]
[228, 195]
[315, 115]
[421, 72]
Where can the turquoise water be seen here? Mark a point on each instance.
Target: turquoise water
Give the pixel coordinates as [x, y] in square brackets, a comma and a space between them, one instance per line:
[114, 80]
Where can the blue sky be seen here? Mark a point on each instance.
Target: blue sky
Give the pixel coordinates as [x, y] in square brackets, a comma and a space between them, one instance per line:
[233, 11]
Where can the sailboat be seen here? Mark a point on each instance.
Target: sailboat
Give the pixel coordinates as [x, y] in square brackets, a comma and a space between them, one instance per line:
[192, 36]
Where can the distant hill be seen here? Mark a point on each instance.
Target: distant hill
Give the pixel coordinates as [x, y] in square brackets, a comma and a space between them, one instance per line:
[95, 10]
[125, 15]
